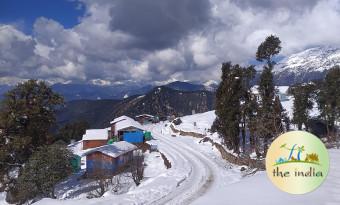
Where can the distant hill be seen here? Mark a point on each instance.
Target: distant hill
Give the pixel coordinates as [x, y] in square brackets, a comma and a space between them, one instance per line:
[161, 101]
[96, 112]
[185, 86]
[97, 92]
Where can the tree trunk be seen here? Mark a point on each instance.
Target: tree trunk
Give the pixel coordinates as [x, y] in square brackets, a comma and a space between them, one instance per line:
[265, 146]
[257, 151]
[243, 131]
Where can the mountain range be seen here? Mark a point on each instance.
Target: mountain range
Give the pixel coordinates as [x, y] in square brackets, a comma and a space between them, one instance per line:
[72, 91]
[310, 64]
[161, 101]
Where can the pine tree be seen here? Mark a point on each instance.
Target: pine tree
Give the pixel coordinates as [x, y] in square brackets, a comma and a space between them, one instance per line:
[303, 102]
[228, 106]
[268, 49]
[45, 168]
[232, 101]
[247, 74]
[252, 124]
[329, 98]
[265, 53]
[26, 115]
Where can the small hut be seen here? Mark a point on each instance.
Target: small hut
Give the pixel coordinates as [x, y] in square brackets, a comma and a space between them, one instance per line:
[108, 159]
[95, 138]
[113, 132]
[145, 119]
[130, 131]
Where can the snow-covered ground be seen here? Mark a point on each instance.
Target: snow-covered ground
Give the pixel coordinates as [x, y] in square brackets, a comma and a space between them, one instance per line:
[2, 198]
[198, 175]
[199, 123]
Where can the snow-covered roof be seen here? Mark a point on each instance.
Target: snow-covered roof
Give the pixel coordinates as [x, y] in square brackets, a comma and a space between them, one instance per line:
[121, 118]
[146, 115]
[76, 147]
[96, 134]
[128, 123]
[113, 150]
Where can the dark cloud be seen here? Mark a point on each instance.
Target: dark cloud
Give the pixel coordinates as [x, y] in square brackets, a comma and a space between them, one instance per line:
[161, 23]
[149, 41]
[276, 4]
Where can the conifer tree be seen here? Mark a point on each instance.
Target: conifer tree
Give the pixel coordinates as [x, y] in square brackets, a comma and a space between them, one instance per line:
[303, 102]
[228, 106]
[45, 168]
[252, 124]
[247, 109]
[268, 49]
[329, 98]
[265, 53]
[232, 103]
[26, 116]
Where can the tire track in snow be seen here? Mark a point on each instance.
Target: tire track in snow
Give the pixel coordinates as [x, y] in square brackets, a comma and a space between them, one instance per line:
[199, 179]
[334, 172]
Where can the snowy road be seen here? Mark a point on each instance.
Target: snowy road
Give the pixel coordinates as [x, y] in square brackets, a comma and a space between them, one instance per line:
[205, 168]
[200, 176]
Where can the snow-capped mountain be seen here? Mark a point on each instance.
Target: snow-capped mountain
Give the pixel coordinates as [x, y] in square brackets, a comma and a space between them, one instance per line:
[211, 85]
[307, 65]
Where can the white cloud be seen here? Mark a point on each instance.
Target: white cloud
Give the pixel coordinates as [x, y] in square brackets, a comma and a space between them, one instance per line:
[96, 51]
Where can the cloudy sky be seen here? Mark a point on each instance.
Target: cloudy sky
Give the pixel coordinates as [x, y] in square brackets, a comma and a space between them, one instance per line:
[115, 41]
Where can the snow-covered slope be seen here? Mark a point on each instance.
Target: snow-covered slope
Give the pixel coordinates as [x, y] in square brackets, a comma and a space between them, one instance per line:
[307, 65]
[199, 123]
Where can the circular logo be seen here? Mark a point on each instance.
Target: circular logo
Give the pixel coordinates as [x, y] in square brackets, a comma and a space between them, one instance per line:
[297, 162]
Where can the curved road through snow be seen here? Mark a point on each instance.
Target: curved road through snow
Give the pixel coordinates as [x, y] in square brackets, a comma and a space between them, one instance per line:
[199, 178]
[204, 171]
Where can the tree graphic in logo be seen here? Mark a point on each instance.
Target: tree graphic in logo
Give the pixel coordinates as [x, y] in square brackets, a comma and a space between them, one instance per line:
[297, 162]
[311, 158]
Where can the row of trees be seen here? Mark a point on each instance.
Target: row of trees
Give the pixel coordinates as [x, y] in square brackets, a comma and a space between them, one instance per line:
[325, 94]
[240, 112]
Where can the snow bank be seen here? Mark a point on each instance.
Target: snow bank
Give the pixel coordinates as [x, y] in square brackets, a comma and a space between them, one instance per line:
[199, 123]
[76, 147]
[154, 165]
[2, 198]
